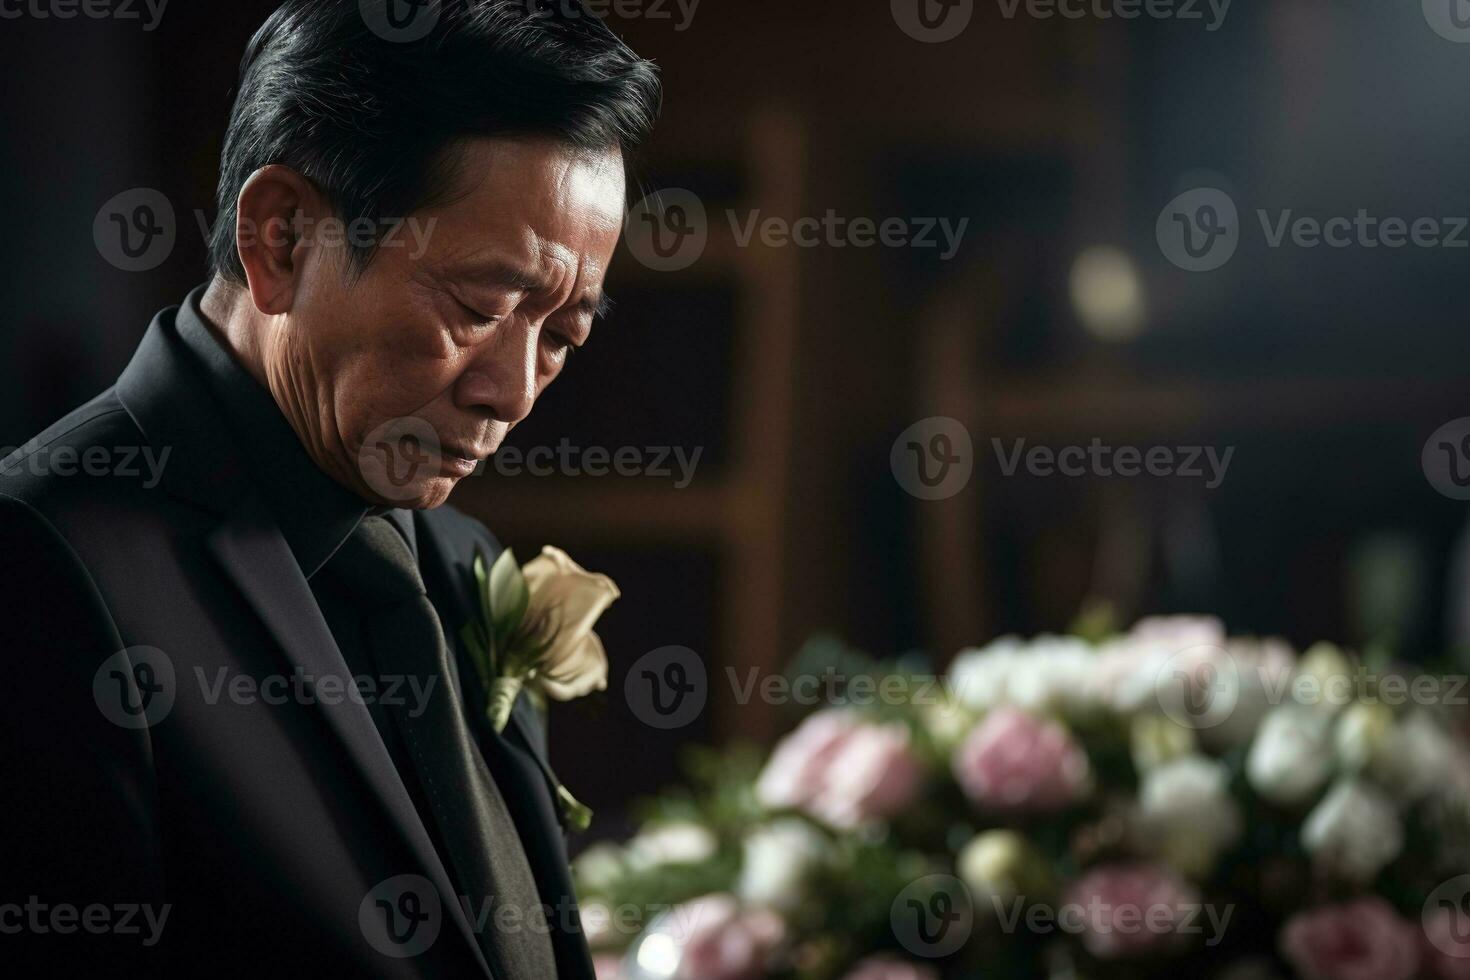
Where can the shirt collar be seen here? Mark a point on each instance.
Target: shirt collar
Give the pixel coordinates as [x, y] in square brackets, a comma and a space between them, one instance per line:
[316, 514]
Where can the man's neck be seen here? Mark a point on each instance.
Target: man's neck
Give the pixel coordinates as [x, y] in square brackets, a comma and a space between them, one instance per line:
[229, 316]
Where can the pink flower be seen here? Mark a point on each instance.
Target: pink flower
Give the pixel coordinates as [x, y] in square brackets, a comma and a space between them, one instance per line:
[842, 769]
[1131, 909]
[890, 968]
[1359, 940]
[716, 939]
[1447, 952]
[1014, 761]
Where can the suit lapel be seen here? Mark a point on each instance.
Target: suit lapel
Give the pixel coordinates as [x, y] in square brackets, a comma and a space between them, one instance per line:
[254, 554]
[517, 758]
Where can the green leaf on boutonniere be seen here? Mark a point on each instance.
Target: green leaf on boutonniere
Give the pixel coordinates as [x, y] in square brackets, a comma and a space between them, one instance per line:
[482, 586]
[475, 641]
[579, 815]
[503, 694]
[506, 596]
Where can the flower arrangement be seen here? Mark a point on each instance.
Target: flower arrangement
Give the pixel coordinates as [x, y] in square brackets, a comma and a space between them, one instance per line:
[1166, 801]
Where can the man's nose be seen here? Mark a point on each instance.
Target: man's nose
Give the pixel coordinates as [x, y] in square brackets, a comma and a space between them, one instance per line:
[502, 377]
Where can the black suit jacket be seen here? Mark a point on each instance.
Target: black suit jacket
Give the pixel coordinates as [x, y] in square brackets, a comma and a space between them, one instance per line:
[259, 829]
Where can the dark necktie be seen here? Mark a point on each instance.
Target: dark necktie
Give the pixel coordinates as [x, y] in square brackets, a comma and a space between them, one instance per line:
[403, 635]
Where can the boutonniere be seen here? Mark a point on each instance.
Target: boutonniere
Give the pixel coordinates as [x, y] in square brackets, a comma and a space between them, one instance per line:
[534, 633]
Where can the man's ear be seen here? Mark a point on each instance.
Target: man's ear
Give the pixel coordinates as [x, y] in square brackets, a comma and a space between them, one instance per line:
[274, 216]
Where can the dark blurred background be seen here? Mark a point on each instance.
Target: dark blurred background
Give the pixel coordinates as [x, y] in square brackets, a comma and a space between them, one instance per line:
[793, 370]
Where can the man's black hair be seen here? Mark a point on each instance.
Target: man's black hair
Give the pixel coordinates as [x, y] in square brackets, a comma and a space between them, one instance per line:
[336, 90]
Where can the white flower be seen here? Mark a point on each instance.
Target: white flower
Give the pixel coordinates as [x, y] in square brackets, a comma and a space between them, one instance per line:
[681, 842]
[1186, 813]
[1052, 676]
[779, 860]
[1354, 832]
[599, 867]
[1190, 670]
[573, 598]
[1262, 671]
[1048, 675]
[1416, 758]
[1292, 756]
[1130, 667]
[1192, 791]
[999, 866]
[1324, 679]
[979, 676]
[1362, 734]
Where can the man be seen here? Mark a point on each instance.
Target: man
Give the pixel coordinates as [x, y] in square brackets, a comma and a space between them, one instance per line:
[242, 736]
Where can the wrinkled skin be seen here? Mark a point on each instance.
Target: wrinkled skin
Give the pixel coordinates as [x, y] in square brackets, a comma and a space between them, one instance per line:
[459, 326]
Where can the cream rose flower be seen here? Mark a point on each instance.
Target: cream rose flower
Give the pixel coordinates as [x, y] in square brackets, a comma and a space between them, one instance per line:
[778, 863]
[1292, 756]
[1354, 832]
[570, 599]
[534, 631]
[1185, 813]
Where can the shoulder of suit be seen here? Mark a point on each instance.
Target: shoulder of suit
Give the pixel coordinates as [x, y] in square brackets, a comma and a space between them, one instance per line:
[96, 449]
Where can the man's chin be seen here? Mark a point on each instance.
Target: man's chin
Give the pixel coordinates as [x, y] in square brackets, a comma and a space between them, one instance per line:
[424, 493]
[428, 494]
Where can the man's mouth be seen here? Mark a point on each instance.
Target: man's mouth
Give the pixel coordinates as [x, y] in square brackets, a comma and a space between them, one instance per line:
[460, 460]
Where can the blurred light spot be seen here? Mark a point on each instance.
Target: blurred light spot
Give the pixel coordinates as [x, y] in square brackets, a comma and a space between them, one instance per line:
[1107, 293]
[659, 955]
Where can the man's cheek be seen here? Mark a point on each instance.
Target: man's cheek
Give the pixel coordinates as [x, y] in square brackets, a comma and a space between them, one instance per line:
[406, 387]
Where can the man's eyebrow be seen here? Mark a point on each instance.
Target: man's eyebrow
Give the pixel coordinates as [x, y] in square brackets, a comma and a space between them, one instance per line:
[512, 276]
[508, 274]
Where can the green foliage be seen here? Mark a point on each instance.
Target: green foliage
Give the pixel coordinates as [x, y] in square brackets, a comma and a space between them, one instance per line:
[719, 794]
[1096, 621]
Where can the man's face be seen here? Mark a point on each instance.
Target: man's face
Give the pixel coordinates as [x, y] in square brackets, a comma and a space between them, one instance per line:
[408, 376]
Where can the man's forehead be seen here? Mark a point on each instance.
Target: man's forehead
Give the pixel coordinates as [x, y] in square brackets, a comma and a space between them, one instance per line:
[533, 171]
[546, 214]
